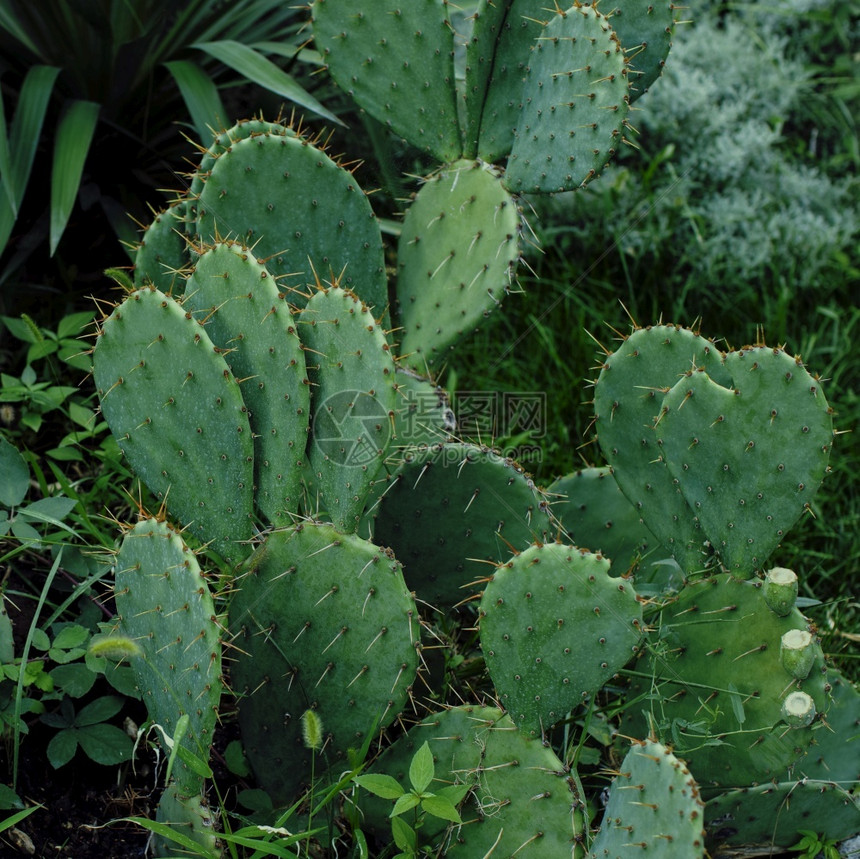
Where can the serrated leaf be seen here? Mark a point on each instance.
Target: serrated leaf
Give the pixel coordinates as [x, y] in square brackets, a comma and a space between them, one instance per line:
[405, 803]
[380, 785]
[441, 807]
[404, 835]
[421, 768]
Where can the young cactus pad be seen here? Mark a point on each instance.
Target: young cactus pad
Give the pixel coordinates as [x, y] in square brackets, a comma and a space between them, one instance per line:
[654, 809]
[450, 510]
[246, 316]
[457, 255]
[164, 605]
[554, 628]
[748, 457]
[300, 211]
[396, 60]
[163, 250]
[353, 376]
[321, 620]
[176, 411]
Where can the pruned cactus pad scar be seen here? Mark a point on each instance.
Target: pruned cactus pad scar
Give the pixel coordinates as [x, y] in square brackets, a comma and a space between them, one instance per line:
[176, 411]
[654, 808]
[164, 605]
[554, 628]
[627, 400]
[749, 456]
[353, 376]
[457, 256]
[396, 60]
[246, 316]
[575, 102]
[301, 212]
[323, 621]
[450, 512]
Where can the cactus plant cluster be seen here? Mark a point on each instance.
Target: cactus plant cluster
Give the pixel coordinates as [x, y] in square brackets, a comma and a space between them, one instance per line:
[252, 379]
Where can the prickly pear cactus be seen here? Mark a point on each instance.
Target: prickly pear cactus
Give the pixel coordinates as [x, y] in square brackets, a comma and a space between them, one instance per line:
[596, 515]
[164, 605]
[163, 251]
[720, 684]
[320, 620]
[627, 399]
[301, 211]
[457, 255]
[397, 61]
[575, 102]
[451, 512]
[247, 318]
[191, 818]
[353, 377]
[524, 803]
[749, 455]
[654, 808]
[554, 628]
[177, 412]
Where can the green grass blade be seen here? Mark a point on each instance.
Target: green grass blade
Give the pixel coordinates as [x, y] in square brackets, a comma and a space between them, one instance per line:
[15, 28]
[265, 73]
[7, 180]
[201, 98]
[71, 145]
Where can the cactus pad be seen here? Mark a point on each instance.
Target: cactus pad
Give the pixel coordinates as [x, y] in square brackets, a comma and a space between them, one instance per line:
[457, 255]
[246, 317]
[451, 509]
[164, 604]
[654, 808]
[176, 411]
[748, 457]
[554, 628]
[721, 684]
[352, 373]
[575, 102]
[163, 250]
[299, 210]
[323, 621]
[397, 61]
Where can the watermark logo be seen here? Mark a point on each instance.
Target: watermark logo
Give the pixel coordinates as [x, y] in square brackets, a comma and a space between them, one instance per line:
[351, 428]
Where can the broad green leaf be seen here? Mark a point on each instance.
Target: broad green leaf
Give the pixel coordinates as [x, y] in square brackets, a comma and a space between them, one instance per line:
[50, 511]
[105, 744]
[73, 635]
[264, 73]
[380, 785]
[75, 680]
[71, 145]
[441, 807]
[14, 475]
[421, 769]
[201, 97]
[99, 710]
[404, 835]
[74, 324]
[405, 803]
[62, 747]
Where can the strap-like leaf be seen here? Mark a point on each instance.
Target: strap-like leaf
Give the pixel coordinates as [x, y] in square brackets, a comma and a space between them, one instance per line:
[201, 98]
[265, 73]
[71, 145]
